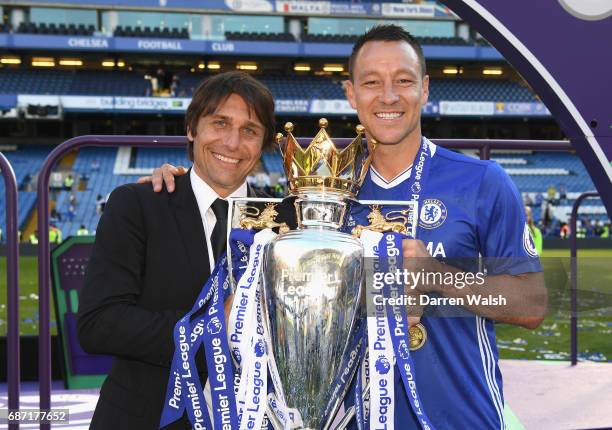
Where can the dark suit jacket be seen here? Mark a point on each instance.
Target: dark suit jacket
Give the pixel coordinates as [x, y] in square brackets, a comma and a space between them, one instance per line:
[148, 264]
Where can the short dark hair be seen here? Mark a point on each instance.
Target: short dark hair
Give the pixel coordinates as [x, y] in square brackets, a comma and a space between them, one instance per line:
[386, 33]
[214, 91]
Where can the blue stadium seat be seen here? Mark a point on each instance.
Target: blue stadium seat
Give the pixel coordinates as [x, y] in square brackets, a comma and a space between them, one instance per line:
[124, 83]
[26, 163]
[101, 181]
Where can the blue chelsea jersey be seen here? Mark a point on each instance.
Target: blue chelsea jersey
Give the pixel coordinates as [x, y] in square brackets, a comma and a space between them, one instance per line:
[468, 208]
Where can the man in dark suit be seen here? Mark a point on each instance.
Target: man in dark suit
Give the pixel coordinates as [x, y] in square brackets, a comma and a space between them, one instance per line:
[154, 251]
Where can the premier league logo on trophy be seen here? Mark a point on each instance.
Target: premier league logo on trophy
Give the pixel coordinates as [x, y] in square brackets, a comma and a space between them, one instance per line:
[312, 276]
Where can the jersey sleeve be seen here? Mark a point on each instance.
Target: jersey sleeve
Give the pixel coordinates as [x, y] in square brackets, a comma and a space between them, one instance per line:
[503, 235]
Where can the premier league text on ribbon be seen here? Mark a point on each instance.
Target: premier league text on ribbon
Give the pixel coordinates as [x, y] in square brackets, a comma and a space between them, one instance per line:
[242, 296]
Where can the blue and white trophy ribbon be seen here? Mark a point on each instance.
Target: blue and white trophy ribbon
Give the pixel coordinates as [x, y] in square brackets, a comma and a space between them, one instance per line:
[184, 392]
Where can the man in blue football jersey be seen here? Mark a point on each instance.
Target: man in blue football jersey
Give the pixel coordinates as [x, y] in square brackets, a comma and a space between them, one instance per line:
[468, 209]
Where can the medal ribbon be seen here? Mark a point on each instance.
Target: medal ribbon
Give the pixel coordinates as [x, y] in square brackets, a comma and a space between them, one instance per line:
[391, 258]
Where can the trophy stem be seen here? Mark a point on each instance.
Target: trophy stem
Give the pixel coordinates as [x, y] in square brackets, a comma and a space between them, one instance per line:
[320, 209]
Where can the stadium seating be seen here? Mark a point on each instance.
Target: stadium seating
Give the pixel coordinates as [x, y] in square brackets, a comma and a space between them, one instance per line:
[154, 32]
[307, 87]
[26, 163]
[539, 170]
[316, 87]
[101, 181]
[348, 38]
[109, 83]
[28, 81]
[65, 82]
[479, 90]
[58, 29]
[152, 157]
[576, 178]
[84, 82]
[272, 37]
[272, 162]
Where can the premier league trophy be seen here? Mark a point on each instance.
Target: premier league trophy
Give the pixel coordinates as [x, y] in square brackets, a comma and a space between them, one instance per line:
[313, 276]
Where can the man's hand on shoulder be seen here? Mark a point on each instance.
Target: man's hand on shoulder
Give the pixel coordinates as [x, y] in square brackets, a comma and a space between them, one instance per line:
[163, 175]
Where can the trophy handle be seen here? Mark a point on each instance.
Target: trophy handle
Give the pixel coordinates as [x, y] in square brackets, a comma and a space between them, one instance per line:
[380, 223]
[233, 201]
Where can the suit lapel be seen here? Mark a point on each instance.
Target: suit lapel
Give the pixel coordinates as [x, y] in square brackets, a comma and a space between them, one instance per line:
[189, 223]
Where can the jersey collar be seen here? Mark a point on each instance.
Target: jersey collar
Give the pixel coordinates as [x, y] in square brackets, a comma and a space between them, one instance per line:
[383, 183]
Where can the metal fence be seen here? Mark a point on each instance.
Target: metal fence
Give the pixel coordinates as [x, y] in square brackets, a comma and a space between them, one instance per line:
[12, 285]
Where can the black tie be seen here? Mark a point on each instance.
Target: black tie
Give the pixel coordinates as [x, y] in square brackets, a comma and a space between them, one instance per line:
[218, 239]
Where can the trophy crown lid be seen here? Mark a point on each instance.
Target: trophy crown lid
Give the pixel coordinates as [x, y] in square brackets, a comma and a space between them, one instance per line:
[322, 166]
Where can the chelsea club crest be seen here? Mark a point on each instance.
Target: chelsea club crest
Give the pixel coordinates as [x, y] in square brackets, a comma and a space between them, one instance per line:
[433, 214]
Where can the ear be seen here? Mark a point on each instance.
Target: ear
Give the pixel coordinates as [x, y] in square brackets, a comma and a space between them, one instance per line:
[349, 91]
[190, 137]
[425, 90]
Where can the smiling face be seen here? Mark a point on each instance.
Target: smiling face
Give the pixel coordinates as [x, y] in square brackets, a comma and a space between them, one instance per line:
[227, 145]
[388, 92]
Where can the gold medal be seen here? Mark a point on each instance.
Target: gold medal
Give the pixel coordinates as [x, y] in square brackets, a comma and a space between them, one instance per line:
[418, 336]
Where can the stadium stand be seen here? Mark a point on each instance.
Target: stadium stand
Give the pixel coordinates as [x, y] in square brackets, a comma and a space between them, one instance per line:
[87, 82]
[282, 87]
[27, 81]
[254, 36]
[156, 32]
[26, 163]
[542, 169]
[305, 87]
[102, 180]
[328, 88]
[57, 29]
[532, 172]
[349, 38]
[109, 83]
[479, 90]
[65, 82]
[150, 158]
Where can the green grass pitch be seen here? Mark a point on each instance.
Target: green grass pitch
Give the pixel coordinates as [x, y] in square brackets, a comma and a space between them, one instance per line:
[551, 341]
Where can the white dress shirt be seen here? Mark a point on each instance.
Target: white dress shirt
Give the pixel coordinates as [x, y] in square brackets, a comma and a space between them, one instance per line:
[205, 196]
